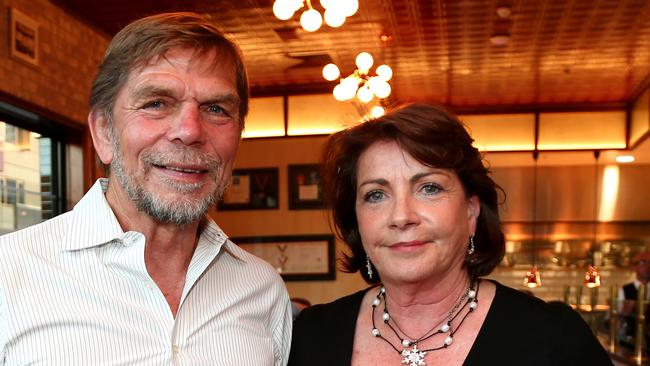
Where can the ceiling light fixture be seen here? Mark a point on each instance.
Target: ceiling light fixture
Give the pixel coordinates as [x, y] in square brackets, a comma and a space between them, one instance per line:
[592, 277]
[336, 11]
[360, 83]
[501, 36]
[533, 278]
[624, 159]
[500, 39]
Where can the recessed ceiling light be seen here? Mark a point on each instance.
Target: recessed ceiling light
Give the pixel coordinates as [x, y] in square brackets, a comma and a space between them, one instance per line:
[499, 39]
[504, 12]
[624, 159]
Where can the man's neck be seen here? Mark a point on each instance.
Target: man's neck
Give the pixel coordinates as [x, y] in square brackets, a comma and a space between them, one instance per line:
[168, 250]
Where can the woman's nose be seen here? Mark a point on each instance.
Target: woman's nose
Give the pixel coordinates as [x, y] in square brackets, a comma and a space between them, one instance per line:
[404, 213]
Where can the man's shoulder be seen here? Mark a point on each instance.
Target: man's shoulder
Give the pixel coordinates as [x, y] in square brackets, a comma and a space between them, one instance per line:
[250, 260]
[250, 263]
[49, 231]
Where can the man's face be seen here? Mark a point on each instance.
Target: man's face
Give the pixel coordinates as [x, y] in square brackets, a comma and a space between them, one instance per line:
[642, 267]
[175, 133]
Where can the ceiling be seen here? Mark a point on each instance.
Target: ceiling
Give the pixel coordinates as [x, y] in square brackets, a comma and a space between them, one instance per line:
[573, 54]
[559, 53]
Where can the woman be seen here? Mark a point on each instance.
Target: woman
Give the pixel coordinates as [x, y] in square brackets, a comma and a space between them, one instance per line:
[415, 205]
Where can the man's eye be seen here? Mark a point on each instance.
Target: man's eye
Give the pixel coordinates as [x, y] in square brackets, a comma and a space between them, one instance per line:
[216, 109]
[156, 104]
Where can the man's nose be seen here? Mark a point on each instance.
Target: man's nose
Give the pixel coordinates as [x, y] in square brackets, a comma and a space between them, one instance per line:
[187, 127]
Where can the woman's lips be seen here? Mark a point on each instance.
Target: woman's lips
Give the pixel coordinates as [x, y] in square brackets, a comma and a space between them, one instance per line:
[408, 245]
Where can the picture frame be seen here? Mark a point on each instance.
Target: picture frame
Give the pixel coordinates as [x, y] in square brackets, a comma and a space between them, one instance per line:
[23, 37]
[305, 187]
[295, 257]
[251, 189]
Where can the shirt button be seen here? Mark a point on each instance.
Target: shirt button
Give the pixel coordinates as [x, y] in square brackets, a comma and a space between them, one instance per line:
[175, 349]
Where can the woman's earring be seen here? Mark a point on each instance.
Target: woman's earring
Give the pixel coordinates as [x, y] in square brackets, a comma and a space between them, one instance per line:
[471, 248]
[368, 267]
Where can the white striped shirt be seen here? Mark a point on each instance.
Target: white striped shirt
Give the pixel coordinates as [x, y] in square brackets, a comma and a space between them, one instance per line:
[74, 290]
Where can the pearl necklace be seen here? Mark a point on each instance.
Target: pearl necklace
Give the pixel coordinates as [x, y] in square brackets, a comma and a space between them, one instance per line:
[410, 353]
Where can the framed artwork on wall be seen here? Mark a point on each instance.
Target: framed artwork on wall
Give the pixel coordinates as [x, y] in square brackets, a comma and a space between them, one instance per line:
[23, 41]
[305, 187]
[252, 189]
[295, 257]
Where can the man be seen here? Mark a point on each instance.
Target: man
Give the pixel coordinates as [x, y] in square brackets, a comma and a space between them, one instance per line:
[628, 296]
[137, 273]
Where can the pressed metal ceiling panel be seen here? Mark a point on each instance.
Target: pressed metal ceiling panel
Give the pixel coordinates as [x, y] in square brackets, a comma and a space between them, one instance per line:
[558, 52]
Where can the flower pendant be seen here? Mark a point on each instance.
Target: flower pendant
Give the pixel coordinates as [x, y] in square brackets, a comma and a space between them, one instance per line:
[413, 356]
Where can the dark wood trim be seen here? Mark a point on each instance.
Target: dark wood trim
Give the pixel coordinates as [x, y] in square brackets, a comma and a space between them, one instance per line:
[285, 115]
[645, 134]
[43, 118]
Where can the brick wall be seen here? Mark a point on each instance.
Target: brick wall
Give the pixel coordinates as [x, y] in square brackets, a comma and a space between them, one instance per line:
[69, 55]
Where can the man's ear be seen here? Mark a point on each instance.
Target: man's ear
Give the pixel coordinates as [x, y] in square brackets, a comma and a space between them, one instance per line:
[99, 127]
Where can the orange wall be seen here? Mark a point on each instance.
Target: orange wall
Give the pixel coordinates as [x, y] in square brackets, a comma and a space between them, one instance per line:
[69, 55]
[280, 152]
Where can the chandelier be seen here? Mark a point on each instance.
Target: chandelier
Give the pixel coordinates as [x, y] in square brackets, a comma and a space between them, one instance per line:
[361, 83]
[336, 11]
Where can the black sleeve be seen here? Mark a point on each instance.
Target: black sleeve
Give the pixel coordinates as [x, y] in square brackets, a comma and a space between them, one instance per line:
[577, 344]
[323, 335]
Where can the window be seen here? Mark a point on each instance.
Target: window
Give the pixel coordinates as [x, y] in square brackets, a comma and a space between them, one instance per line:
[30, 183]
[17, 136]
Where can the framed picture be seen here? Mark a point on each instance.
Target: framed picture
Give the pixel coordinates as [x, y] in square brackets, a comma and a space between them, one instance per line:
[252, 189]
[305, 187]
[296, 257]
[23, 41]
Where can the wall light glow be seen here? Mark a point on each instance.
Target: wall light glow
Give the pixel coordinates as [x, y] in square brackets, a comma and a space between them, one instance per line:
[609, 193]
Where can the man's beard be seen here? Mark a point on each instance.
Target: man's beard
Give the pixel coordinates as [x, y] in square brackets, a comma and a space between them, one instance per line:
[183, 209]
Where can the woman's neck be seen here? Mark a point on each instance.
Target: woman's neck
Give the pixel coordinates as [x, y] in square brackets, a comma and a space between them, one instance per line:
[418, 307]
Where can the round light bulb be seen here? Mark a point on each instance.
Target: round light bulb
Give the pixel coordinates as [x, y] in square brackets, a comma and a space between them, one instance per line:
[331, 72]
[364, 94]
[364, 62]
[382, 89]
[377, 111]
[282, 9]
[348, 90]
[372, 82]
[351, 82]
[311, 20]
[349, 7]
[328, 4]
[384, 72]
[339, 93]
[334, 18]
[295, 4]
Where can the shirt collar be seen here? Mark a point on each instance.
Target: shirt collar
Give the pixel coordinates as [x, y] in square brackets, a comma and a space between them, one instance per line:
[93, 223]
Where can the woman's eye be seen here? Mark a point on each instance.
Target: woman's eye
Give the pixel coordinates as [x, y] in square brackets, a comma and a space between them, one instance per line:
[373, 196]
[431, 188]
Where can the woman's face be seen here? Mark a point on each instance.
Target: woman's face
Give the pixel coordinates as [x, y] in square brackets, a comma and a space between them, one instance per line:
[415, 221]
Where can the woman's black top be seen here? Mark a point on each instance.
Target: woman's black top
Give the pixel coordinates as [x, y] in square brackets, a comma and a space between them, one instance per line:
[519, 330]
